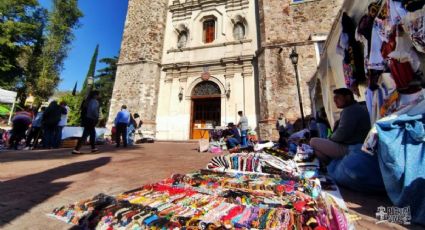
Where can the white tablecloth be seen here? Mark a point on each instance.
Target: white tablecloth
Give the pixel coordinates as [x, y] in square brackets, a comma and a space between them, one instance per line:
[69, 131]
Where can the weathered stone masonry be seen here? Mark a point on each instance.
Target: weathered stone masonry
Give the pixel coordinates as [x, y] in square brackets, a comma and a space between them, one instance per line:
[284, 26]
[139, 68]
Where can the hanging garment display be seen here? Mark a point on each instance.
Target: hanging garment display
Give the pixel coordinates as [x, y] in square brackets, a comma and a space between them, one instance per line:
[364, 29]
[414, 24]
[396, 12]
[401, 159]
[376, 61]
[375, 98]
[396, 104]
[353, 62]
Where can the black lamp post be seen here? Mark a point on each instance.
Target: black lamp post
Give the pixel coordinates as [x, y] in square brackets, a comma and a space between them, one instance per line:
[294, 59]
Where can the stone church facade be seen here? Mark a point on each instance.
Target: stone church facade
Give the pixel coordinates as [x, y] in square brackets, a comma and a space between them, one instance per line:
[189, 65]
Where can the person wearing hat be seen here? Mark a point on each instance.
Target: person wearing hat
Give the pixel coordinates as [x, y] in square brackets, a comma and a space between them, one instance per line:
[351, 129]
[232, 136]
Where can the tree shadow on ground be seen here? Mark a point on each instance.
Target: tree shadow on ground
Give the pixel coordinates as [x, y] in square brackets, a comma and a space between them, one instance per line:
[63, 153]
[18, 196]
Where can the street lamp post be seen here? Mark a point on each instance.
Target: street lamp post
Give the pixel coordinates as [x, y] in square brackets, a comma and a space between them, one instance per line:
[294, 59]
[90, 82]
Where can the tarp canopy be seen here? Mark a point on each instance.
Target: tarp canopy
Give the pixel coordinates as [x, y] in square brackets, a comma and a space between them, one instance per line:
[7, 96]
[4, 110]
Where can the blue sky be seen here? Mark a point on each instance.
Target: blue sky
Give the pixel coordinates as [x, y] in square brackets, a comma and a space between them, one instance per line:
[102, 24]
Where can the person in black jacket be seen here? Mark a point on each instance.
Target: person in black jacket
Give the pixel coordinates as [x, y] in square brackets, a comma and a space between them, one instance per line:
[89, 120]
[351, 129]
[50, 121]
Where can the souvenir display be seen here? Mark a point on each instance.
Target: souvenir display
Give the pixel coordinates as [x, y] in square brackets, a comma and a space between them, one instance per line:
[211, 200]
[272, 189]
[253, 162]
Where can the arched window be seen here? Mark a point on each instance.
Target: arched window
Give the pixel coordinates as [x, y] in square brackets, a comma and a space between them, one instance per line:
[239, 31]
[206, 88]
[182, 39]
[209, 30]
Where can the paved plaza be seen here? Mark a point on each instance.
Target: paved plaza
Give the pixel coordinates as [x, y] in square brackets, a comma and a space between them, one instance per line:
[32, 183]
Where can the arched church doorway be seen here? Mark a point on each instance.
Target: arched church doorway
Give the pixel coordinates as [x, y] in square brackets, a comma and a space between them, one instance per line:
[206, 109]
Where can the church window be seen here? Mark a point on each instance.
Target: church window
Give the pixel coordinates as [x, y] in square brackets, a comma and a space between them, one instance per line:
[239, 31]
[209, 30]
[206, 88]
[182, 39]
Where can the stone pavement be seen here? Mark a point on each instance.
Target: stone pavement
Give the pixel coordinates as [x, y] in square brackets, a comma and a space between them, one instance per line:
[32, 183]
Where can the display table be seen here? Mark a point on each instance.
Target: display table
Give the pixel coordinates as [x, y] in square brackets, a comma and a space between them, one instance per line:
[72, 131]
[203, 132]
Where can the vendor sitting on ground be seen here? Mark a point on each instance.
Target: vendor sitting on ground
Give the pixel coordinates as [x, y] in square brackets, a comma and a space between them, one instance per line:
[351, 129]
[232, 136]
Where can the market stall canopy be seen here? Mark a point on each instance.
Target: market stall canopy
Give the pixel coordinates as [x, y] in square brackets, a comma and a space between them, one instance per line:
[4, 110]
[7, 96]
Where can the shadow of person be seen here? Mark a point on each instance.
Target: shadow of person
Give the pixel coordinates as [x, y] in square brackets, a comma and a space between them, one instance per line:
[17, 196]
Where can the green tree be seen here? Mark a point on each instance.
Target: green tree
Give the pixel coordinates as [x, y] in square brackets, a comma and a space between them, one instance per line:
[92, 70]
[62, 20]
[105, 82]
[73, 103]
[20, 24]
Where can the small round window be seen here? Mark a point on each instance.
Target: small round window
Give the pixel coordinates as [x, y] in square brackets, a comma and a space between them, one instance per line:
[182, 40]
[239, 31]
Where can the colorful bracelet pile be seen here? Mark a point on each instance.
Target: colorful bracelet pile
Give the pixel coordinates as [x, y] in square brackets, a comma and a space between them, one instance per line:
[210, 200]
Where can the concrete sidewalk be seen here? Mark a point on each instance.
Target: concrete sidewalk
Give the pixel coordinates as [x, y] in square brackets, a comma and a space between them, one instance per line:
[32, 183]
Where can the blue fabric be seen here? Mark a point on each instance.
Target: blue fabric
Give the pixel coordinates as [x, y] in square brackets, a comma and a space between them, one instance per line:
[123, 116]
[37, 120]
[244, 135]
[357, 170]
[236, 135]
[323, 130]
[401, 152]
[130, 134]
[232, 142]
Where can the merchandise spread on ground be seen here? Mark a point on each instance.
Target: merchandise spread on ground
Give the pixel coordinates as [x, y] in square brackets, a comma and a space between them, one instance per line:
[236, 191]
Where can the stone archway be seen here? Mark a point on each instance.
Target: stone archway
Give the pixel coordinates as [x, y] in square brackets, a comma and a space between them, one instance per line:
[205, 109]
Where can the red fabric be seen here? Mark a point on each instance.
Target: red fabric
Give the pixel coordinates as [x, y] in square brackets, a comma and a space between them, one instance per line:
[232, 213]
[300, 205]
[388, 47]
[402, 73]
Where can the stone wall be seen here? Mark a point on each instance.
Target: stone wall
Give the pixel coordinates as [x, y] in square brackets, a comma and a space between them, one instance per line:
[283, 26]
[139, 68]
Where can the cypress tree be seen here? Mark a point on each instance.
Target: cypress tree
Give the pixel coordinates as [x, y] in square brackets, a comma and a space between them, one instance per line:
[92, 70]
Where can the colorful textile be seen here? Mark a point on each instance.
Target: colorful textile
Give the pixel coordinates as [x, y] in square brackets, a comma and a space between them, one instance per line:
[209, 200]
[375, 99]
[414, 24]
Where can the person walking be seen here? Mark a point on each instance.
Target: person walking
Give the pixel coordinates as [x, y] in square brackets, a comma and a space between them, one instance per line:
[89, 119]
[243, 126]
[50, 121]
[122, 120]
